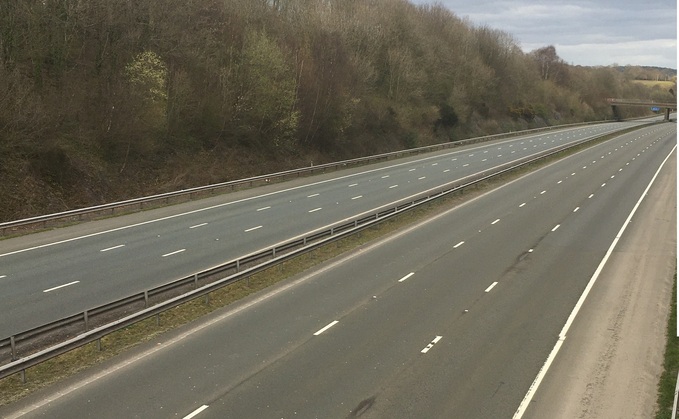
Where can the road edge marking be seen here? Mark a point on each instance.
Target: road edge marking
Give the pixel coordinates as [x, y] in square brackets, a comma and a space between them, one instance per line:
[562, 335]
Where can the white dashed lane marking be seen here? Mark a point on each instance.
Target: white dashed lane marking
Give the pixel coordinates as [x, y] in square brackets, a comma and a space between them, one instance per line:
[195, 412]
[331, 324]
[491, 287]
[61, 286]
[173, 253]
[253, 229]
[433, 342]
[406, 277]
[112, 248]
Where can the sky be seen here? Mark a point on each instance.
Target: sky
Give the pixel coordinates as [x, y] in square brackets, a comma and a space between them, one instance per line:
[588, 33]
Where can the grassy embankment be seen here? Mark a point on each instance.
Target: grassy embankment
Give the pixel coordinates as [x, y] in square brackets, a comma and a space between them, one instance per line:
[668, 379]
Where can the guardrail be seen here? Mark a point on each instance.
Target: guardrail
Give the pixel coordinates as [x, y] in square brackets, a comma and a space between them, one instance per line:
[25, 349]
[81, 214]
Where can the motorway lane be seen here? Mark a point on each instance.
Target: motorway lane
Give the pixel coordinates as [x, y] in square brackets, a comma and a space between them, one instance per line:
[55, 280]
[89, 271]
[264, 361]
[610, 363]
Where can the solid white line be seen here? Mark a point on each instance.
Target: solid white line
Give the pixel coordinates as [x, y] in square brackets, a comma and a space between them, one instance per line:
[61, 286]
[562, 336]
[312, 195]
[195, 412]
[263, 209]
[173, 253]
[326, 327]
[357, 197]
[198, 225]
[556, 227]
[252, 229]
[491, 286]
[315, 209]
[406, 277]
[111, 248]
[458, 245]
[495, 222]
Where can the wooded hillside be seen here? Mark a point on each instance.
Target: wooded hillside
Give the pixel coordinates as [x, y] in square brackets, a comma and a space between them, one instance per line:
[103, 100]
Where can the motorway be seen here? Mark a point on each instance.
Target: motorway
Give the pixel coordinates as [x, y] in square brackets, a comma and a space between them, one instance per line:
[451, 318]
[43, 278]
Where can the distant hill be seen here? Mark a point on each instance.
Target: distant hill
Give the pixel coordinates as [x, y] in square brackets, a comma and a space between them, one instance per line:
[648, 73]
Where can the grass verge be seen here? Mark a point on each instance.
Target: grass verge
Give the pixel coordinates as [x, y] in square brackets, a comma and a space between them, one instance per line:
[668, 379]
[49, 372]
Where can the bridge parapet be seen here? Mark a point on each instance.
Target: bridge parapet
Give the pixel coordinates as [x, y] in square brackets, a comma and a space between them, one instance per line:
[641, 102]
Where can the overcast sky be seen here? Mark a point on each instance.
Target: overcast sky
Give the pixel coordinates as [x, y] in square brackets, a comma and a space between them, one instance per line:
[590, 33]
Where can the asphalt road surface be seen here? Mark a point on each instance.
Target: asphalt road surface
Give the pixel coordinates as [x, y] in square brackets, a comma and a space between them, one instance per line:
[450, 318]
[56, 274]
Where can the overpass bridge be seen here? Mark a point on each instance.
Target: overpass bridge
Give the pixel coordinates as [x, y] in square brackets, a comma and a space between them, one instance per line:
[668, 106]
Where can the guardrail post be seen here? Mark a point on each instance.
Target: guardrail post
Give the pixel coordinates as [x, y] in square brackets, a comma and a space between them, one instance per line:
[237, 265]
[86, 320]
[14, 348]
[146, 299]
[195, 280]
[99, 344]
[23, 376]
[273, 252]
